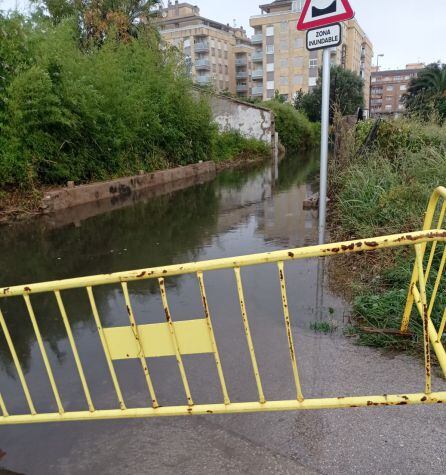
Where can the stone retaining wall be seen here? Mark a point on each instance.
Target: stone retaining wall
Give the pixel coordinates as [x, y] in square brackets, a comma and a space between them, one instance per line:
[117, 190]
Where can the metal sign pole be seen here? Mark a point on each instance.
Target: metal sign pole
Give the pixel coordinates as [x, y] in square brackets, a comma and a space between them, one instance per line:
[325, 124]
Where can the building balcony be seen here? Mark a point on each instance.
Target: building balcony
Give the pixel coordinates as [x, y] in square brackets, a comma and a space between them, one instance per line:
[203, 80]
[257, 39]
[242, 88]
[201, 64]
[257, 74]
[241, 62]
[257, 91]
[257, 56]
[241, 75]
[201, 47]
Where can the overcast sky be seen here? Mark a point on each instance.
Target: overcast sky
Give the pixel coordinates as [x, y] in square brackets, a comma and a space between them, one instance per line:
[405, 31]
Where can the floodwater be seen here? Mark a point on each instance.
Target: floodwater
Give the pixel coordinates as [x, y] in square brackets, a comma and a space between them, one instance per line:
[240, 212]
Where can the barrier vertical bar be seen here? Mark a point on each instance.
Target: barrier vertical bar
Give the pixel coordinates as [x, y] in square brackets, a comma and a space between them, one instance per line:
[286, 315]
[3, 407]
[74, 350]
[425, 317]
[175, 341]
[105, 348]
[141, 354]
[248, 334]
[207, 314]
[17, 364]
[43, 352]
[434, 244]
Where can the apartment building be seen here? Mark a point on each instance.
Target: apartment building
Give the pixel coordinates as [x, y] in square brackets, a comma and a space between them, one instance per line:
[389, 87]
[282, 62]
[243, 64]
[219, 55]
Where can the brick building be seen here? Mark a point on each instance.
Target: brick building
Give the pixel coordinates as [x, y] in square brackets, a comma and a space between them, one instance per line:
[388, 89]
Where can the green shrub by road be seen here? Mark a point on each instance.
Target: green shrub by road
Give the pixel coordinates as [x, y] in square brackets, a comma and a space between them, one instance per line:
[386, 191]
[70, 112]
[232, 145]
[296, 132]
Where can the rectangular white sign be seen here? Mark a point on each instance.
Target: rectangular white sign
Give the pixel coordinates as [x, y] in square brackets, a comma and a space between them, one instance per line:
[325, 37]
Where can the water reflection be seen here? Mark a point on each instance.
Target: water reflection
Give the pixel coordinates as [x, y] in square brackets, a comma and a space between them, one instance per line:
[240, 212]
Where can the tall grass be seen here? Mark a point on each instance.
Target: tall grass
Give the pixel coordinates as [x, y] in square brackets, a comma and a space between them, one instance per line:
[385, 191]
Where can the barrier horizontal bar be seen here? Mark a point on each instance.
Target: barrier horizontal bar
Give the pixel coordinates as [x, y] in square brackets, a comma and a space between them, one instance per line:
[233, 408]
[347, 247]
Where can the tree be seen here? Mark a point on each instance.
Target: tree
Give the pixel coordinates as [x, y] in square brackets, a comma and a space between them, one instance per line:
[298, 98]
[346, 94]
[16, 52]
[279, 97]
[426, 95]
[97, 18]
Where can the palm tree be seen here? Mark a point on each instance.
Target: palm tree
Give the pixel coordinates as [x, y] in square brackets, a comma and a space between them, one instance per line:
[426, 94]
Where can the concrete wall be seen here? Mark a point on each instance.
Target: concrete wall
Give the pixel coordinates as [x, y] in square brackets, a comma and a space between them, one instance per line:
[121, 189]
[250, 120]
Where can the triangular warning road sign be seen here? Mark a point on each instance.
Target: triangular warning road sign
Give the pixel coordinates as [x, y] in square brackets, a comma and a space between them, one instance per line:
[318, 13]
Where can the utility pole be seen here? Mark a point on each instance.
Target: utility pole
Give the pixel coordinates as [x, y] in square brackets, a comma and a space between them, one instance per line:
[325, 125]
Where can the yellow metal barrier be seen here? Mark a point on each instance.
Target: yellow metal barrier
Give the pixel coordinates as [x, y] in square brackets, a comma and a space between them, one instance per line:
[193, 337]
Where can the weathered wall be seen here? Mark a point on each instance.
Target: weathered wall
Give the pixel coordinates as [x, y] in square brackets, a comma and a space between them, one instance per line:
[121, 189]
[249, 120]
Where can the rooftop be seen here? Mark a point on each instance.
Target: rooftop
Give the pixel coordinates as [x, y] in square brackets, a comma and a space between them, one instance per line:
[276, 4]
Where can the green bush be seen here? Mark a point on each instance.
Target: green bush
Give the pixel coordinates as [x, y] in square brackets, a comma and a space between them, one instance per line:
[114, 110]
[296, 132]
[401, 137]
[232, 145]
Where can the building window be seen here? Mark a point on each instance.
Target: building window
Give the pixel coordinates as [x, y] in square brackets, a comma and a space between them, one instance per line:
[299, 43]
[284, 80]
[270, 31]
[187, 43]
[270, 85]
[284, 26]
[312, 82]
[313, 63]
[226, 55]
[389, 88]
[284, 45]
[298, 62]
[270, 49]
[220, 69]
[298, 80]
[270, 67]
[283, 63]
[403, 87]
[388, 107]
[226, 70]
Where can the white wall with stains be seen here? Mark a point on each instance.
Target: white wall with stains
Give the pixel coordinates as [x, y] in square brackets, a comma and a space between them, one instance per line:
[249, 120]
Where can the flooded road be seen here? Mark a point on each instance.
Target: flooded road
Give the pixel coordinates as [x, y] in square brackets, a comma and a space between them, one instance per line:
[240, 212]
